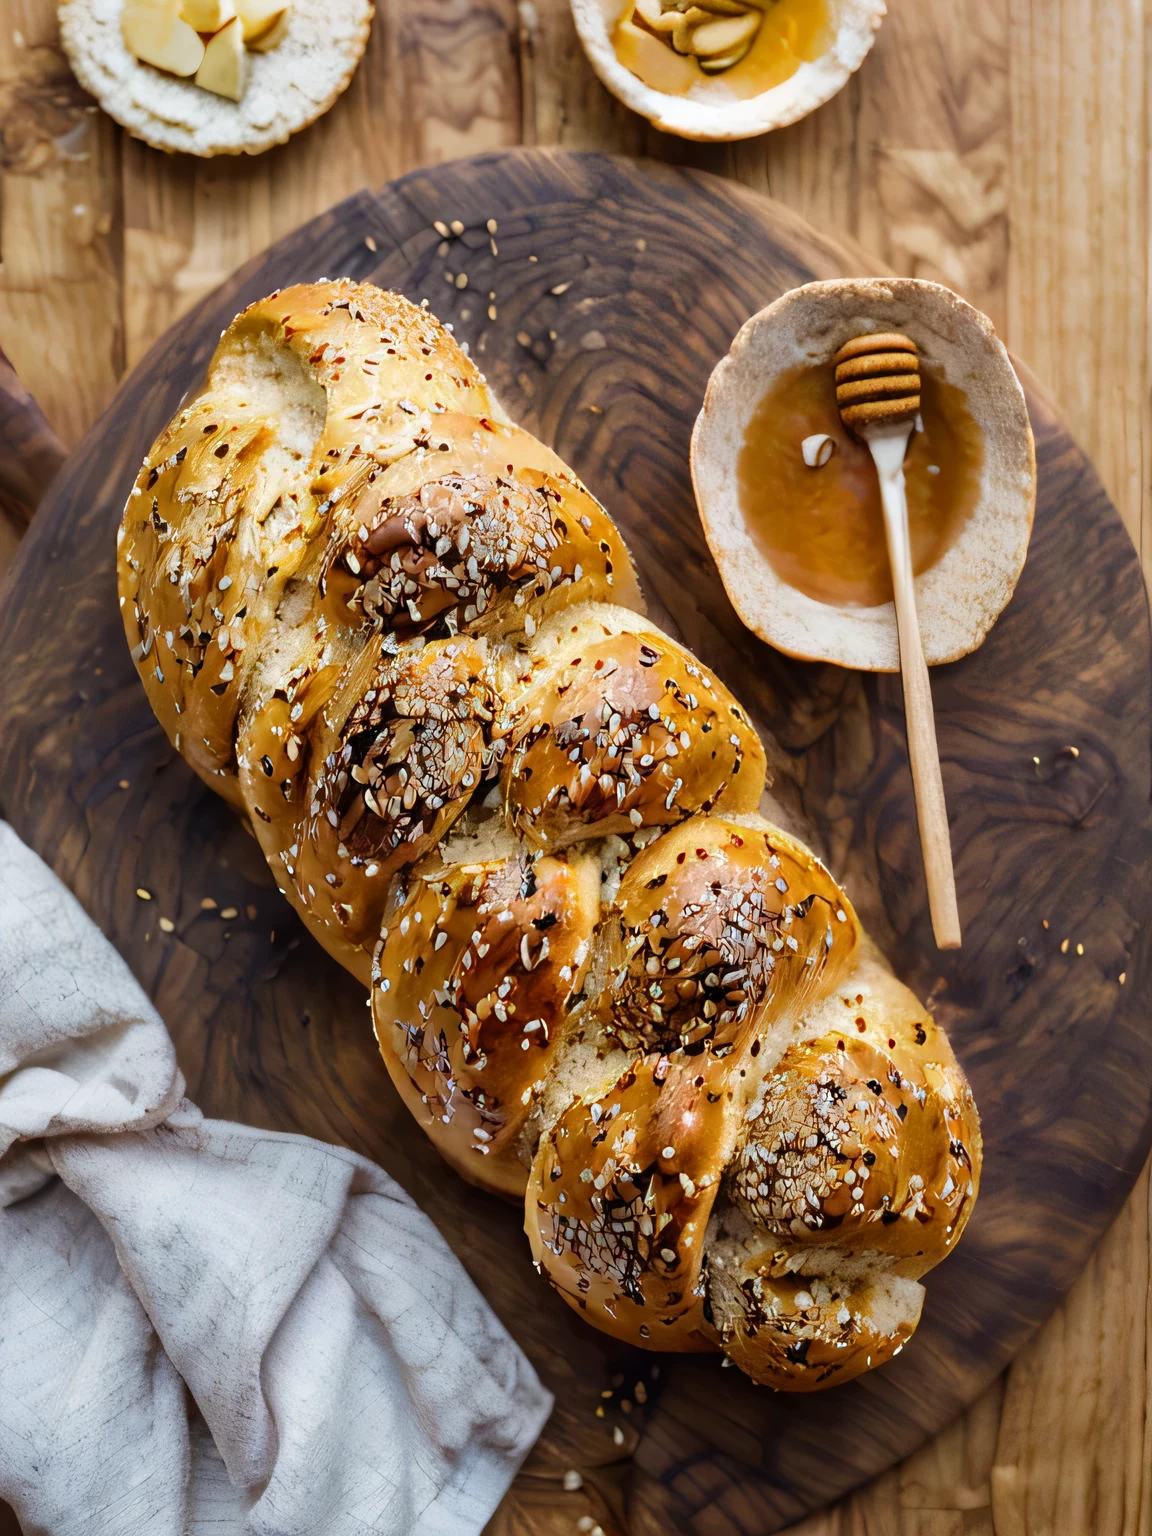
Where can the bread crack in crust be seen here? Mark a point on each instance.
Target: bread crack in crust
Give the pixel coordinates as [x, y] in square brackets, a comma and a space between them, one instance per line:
[404, 641]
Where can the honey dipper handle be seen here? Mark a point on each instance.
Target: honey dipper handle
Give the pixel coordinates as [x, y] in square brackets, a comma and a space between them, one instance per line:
[888, 445]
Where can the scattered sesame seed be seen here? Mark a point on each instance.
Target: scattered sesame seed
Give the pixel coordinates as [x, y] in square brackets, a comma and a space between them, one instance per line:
[572, 1480]
[167, 925]
[123, 783]
[143, 894]
[491, 226]
[207, 904]
[441, 228]
[456, 227]
[1079, 949]
[560, 288]
[1064, 947]
[369, 242]
[229, 913]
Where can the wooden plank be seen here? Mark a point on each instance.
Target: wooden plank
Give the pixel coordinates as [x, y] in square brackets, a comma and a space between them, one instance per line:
[1073, 1452]
[59, 226]
[1078, 286]
[1075, 1445]
[912, 158]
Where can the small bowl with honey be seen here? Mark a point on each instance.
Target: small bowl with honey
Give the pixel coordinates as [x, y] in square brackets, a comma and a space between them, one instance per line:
[790, 500]
[725, 69]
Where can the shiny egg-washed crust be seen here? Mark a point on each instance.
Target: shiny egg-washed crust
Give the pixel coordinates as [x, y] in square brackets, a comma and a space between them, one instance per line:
[399, 635]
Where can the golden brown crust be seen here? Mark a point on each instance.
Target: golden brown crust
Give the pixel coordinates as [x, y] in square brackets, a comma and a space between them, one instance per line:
[621, 728]
[798, 1333]
[856, 1172]
[717, 936]
[471, 982]
[369, 775]
[403, 639]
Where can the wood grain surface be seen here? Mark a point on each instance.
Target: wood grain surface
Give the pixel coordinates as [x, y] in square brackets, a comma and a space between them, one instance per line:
[1002, 147]
[598, 309]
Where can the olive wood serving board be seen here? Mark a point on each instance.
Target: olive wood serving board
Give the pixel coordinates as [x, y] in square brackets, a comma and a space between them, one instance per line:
[602, 346]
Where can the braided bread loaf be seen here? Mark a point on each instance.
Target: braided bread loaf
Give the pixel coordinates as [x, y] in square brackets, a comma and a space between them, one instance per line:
[402, 639]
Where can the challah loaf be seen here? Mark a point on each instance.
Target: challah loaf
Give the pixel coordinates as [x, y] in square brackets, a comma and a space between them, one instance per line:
[403, 640]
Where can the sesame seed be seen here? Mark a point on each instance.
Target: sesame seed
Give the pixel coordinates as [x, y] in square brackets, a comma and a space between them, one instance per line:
[143, 894]
[167, 925]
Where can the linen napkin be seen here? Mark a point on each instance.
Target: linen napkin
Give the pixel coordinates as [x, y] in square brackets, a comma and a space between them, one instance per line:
[346, 1375]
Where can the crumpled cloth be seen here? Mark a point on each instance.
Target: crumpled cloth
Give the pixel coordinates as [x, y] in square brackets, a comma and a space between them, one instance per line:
[347, 1377]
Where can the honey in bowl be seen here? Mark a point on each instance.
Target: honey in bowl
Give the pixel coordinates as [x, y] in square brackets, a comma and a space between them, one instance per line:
[822, 529]
[682, 60]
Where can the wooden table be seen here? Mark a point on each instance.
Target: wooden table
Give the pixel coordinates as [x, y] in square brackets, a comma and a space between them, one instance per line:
[997, 145]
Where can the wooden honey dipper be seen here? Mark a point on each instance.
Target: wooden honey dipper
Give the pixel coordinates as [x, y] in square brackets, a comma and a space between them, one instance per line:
[878, 395]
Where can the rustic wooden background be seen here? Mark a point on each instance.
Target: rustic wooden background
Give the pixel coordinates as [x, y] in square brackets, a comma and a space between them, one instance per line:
[998, 145]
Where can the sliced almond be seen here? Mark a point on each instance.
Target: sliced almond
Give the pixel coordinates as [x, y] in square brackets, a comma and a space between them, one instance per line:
[716, 38]
[730, 7]
[154, 31]
[686, 23]
[650, 11]
[256, 16]
[224, 71]
[272, 36]
[720, 62]
[207, 15]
